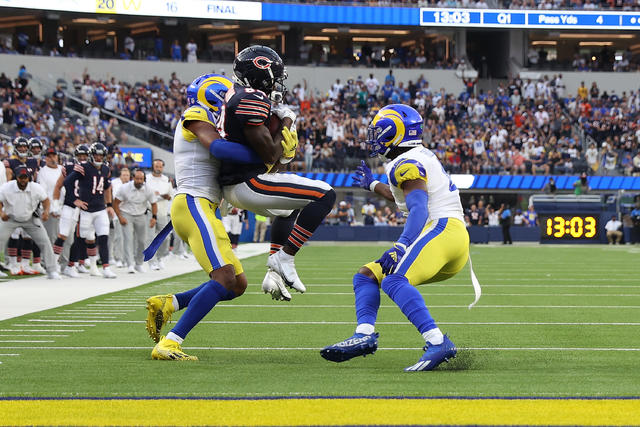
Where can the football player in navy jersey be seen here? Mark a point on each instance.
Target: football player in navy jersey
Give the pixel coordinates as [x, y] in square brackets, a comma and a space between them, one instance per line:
[35, 151]
[95, 203]
[69, 214]
[298, 204]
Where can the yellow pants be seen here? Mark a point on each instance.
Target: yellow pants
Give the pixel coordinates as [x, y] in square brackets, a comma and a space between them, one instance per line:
[439, 252]
[195, 221]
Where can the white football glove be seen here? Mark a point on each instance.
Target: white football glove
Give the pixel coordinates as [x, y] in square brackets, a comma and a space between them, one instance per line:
[283, 112]
[225, 207]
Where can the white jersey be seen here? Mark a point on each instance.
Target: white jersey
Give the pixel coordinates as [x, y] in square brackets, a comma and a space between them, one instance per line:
[421, 163]
[48, 177]
[160, 185]
[196, 170]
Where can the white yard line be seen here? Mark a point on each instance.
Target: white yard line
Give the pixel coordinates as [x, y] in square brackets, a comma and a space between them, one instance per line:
[27, 335]
[303, 322]
[319, 348]
[44, 330]
[471, 295]
[26, 341]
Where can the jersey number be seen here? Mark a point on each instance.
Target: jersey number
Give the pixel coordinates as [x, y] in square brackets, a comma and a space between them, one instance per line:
[452, 186]
[98, 185]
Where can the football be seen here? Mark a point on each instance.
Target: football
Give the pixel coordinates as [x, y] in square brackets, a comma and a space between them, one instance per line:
[275, 125]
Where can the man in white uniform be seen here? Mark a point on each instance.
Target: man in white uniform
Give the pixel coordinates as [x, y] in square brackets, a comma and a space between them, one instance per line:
[130, 204]
[116, 247]
[48, 177]
[19, 203]
[162, 189]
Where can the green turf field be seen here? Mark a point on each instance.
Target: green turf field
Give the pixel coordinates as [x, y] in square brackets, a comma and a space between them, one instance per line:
[553, 321]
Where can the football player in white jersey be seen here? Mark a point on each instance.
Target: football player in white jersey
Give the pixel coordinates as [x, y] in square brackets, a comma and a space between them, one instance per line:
[434, 244]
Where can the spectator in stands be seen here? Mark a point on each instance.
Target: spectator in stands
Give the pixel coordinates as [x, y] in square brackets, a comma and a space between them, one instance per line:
[614, 230]
[368, 212]
[636, 164]
[581, 186]
[473, 215]
[343, 214]
[192, 51]
[129, 46]
[493, 219]
[176, 51]
[59, 98]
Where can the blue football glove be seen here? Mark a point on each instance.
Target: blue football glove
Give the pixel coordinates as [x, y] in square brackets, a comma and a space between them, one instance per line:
[362, 177]
[391, 258]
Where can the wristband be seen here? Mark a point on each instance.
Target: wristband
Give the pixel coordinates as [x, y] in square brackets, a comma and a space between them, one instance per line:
[109, 205]
[372, 186]
[154, 217]
[401, 245]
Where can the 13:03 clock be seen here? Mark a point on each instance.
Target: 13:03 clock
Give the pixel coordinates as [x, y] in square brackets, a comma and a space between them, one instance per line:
[569, 227]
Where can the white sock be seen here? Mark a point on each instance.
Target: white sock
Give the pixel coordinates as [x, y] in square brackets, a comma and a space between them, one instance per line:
[173, 337]
[13, 260]
[176, 306]
[434, 336]
[365, 328]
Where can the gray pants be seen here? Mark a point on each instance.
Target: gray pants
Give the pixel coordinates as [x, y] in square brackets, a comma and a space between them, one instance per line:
[51, 225]
[34, 228]
[116, 242]
[134, 238]
[163, 250]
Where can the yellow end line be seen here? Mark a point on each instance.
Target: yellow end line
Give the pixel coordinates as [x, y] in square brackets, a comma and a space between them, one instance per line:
[323, 411]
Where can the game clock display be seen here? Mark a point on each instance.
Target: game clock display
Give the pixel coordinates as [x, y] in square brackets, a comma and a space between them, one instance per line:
[568, 227]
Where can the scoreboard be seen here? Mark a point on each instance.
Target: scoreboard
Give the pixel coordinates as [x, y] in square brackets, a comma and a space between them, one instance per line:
[572, 219]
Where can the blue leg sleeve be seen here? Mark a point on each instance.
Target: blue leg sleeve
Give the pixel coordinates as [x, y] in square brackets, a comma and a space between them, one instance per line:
[207, 297]
[367, 299]
[184, 298]
[409, 300]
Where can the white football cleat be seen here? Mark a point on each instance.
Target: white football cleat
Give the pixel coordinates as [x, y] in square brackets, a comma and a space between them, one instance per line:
[93, 270]
[38, 268]
[107, 273]
[70, 271]
[27, 270]
[53, 275]
[15, 270]
[3, 274]
[274, 284]
[283, 264]
[82, 269]
[131, 270]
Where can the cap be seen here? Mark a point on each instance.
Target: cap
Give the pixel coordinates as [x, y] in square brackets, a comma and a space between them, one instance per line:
[343, 203]
[22, 170]
[50, 150]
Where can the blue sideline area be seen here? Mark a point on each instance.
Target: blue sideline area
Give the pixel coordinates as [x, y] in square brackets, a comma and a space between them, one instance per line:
[504, 182]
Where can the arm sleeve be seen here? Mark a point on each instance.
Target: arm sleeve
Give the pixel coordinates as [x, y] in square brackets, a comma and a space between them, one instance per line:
[417, 203]
[233, 152]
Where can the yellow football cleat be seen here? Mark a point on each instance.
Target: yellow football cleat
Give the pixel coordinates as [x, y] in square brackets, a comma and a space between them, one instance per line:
[168, 349]
[160, 308]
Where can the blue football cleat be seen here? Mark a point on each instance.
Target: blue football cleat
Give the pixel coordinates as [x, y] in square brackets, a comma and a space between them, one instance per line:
[434, 355]
[356, 345]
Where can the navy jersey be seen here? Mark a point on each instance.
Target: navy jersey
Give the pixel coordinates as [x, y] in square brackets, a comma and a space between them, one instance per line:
[92, 182]
[31, 164]
[243, 107]
[72, 188]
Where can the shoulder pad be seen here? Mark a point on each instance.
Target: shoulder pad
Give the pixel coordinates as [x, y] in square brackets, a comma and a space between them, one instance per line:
[407, 170]
[199, 114]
